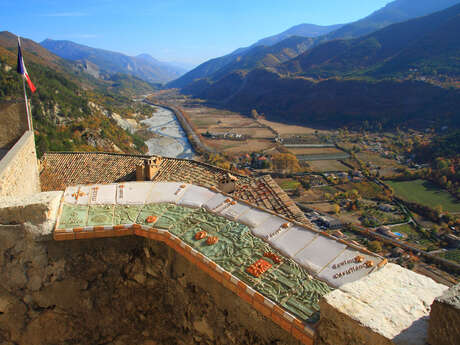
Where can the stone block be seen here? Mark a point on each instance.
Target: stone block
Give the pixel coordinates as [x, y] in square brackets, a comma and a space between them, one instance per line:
[39, 209]
[389, 306]
[444, 324]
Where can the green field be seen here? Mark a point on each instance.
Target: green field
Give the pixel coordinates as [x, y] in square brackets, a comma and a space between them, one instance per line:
[288, 184]
[425, 193]
[453, 255]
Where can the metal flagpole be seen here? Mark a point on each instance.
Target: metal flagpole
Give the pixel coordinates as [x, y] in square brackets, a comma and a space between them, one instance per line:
[29, 118]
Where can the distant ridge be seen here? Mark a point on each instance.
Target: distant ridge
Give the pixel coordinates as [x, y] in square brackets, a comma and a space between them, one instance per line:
[142, 66]
[301, 30]
[252, 57]
[404, 74]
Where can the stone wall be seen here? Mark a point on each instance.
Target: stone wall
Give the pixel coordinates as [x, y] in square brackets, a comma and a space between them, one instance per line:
[131, 290]
[120, 291]
[445, 318]
[19, 168]
[14, 123]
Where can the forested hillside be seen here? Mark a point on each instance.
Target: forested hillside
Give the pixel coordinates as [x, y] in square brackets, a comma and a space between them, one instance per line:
[61, 107]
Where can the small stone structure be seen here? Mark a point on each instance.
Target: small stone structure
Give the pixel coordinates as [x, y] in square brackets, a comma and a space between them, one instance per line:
[228, 183]
[148, 169]
[445, 318]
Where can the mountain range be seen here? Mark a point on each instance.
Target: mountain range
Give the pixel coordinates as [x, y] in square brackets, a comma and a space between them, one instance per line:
[102, 63]
[262, 54]
[404, 73]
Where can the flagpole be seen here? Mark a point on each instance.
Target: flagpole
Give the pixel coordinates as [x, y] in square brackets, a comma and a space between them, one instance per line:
[29, 119]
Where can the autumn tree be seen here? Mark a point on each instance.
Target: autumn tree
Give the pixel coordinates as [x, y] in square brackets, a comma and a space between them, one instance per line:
[336, 209]
[375, 246]
[285, 162]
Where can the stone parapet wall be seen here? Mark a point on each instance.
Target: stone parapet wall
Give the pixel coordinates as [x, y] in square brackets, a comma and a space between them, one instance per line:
[117, 292]
[445, 318]
[19, 168]
[14, 122]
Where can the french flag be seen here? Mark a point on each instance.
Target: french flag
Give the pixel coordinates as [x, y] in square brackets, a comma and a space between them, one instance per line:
[22, 69]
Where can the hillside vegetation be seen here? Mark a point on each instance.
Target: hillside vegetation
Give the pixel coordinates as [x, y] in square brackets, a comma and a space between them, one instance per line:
[62, 115]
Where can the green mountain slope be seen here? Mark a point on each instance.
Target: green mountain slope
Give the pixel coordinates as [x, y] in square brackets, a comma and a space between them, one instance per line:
[69, 111]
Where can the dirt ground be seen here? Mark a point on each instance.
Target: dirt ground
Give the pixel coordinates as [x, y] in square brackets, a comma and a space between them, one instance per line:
[313, 150]
[238, 147]
[327, 165]
[289, 130]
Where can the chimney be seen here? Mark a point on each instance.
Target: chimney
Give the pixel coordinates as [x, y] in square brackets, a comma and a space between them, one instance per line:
[140, 176]
[148, 169]
[228, 183]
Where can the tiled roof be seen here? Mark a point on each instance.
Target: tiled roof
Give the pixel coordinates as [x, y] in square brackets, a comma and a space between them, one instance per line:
[63, 169]
[59, 170]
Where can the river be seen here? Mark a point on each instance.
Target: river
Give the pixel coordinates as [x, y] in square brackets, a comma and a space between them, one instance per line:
[171, 140]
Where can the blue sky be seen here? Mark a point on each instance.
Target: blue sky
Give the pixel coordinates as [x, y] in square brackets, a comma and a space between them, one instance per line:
[188, 31]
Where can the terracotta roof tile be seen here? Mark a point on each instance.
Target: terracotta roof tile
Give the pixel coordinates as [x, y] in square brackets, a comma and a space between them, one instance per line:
[59, 170]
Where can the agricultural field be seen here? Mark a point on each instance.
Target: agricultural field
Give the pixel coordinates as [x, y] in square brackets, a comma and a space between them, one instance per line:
[317, 153]
[314, 150]
[213, 119]
[289, 130]
[287, 184]
[453, 255]
[316, 194]
[327, 166]
[425, 193]
[384, 218]
[368, 190]
[387, 166]
[233, 147]
[326, 207]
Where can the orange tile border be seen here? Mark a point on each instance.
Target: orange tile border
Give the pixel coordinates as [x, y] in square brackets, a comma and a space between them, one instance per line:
[63, 236]
[230, 286]
[258, 298]
[245, 296]
[84, 235]
[262, 308]
[141, 232]
[226, 276]
[124, 231]
[278, 317]
[154, 236]
[216, 276]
